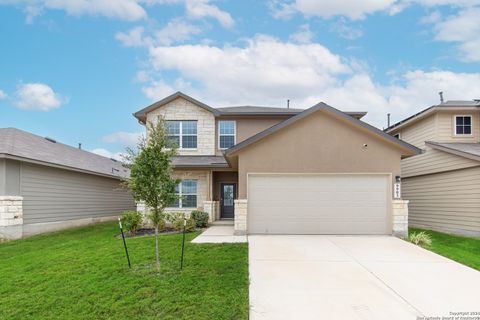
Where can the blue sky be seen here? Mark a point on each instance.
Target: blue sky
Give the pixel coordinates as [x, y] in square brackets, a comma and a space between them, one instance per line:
[76, 70]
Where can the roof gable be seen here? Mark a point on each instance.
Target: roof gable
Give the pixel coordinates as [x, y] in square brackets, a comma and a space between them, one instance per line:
[141, 115]
[323, 106]
[446, 106]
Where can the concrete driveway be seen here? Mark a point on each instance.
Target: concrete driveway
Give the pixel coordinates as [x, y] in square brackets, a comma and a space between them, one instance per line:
[355, 277]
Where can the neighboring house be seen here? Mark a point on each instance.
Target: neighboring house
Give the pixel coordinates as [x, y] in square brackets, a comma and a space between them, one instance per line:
[443, 183]
[284, 171]
[47, 186]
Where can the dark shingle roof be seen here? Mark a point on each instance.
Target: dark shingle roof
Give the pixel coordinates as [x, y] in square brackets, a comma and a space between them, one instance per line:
[229, 111]
[241, 110]
[260, 110]
[467, 150]
[199, 161]
[18, 144]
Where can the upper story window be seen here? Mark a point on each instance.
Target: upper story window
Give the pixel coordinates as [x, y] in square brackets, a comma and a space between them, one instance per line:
[463, 125]
[397, 135]
[226, 134]
[182, 133]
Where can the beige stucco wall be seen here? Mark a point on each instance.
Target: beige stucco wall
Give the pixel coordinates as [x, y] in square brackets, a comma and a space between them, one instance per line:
[203, 187]
[181, 109]
[248, 126]
[319, 143]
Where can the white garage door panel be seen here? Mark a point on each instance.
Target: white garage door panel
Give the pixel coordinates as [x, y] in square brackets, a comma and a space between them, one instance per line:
[318, 204]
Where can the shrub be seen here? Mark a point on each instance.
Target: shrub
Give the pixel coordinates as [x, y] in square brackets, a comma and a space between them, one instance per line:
[422, 239]
[173, 216]
[200, 217]
[178, 225]
[131, 221]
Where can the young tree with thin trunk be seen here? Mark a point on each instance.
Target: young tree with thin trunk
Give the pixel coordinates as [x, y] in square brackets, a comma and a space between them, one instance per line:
[151, 178]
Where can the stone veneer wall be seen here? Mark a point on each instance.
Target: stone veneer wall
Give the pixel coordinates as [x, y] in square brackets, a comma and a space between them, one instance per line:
[241, 208]
[181, 109]
[400, 218]
[11, 216]
[210, 207]
[203, 188]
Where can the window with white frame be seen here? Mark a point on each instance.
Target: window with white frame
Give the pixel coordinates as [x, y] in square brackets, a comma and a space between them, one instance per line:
[463, 125]
[397, 135]
[187, 192]
[182, 133]
[226, 134]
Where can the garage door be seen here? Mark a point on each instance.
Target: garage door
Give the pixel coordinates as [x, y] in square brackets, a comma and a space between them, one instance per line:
[318, 204]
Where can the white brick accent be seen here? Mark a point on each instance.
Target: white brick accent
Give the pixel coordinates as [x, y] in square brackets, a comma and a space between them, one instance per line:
[241, 210]
[210, 207]
[400, 218]
[181, 109]
[11, 211]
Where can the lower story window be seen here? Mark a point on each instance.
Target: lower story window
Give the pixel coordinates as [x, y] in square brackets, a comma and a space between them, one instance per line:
[187, 192]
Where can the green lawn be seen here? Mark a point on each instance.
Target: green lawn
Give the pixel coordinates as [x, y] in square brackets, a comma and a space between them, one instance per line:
[83, 274]
[461, 249]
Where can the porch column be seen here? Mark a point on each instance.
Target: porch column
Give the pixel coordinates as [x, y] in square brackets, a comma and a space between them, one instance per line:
[210, 207]
[241, 208]
[400, 218]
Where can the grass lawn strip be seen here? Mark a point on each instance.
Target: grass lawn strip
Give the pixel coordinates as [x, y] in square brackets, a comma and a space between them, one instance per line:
[465, 250]
[83, 274]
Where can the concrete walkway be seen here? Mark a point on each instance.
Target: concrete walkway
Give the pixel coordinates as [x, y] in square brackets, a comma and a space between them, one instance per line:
[355, 277]
[219, 234]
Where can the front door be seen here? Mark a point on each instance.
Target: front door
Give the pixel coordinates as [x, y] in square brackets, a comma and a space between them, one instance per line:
[227, 196]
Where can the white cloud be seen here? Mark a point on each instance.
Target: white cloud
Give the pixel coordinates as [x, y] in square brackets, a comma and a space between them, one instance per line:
[3, 95]
[121, 9]
[175, 31]
[464, 29]
[351, 9]
[264, 67]
[134, 38]
[354, 9]
[342, 28]
[105, 153]
[37, 96]
[266, 71]
[203, 9]
[303, 35]
[125, 138]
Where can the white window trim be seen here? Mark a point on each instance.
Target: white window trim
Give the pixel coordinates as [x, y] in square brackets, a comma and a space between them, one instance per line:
[181, 194]
[455, 134]
[180, 135]
[399, 135]
[227, 135]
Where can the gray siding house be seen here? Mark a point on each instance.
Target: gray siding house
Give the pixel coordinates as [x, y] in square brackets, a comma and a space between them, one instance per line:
[443, 183]
[47, 186]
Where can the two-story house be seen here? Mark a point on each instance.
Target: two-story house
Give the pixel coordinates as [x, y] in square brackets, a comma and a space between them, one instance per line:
[443, 183]
[281, 170]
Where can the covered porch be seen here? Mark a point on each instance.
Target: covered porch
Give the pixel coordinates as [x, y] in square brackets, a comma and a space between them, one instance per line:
[224, 190]
[216, 185]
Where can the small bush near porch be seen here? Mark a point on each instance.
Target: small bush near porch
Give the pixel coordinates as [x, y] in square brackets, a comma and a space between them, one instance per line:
[83, 274]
